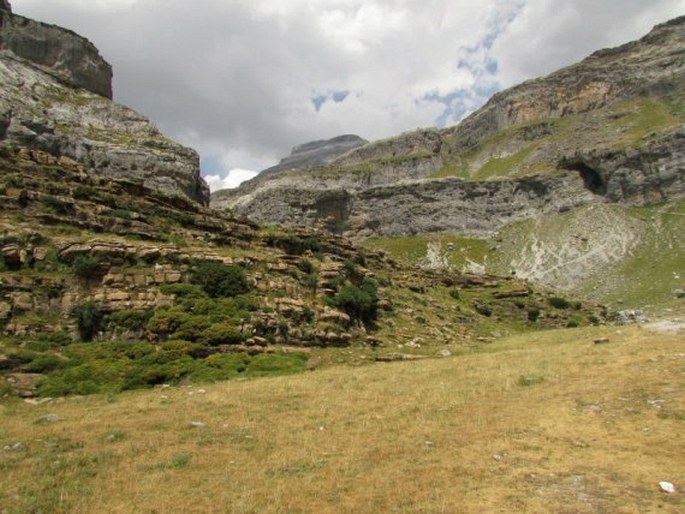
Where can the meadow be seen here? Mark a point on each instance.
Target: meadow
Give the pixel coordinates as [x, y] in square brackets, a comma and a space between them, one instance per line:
[541, 422]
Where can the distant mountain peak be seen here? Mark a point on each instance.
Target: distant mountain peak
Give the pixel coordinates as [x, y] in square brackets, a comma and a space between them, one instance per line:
[317, 152]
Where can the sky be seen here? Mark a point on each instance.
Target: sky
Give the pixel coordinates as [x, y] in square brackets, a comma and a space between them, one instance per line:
[243, 81]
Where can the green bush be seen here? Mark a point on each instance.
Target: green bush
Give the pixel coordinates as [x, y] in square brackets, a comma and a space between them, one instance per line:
[87, 266]
[55, 204]
[44, 364]
[360, 303]
[454, 293]
[234, 363]
[84, 193]
[182, 290]
[48, 340]
[218, 280]
[295, 245]
[88, 320]
[305, 266]
[558, 302]
[307, 314]
[131, 319]
[221, 333]
[533, 314]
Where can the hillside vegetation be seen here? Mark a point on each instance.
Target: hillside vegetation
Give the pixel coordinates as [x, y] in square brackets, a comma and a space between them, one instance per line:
[546, 422]
[626, 258]
[108, 286]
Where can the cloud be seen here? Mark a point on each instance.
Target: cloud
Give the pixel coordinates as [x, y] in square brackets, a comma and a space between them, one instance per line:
[244, 82]
[232, 179]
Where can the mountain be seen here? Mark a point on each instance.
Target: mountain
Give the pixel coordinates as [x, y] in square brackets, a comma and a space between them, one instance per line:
[55, 107]
[592, 141]
[316, 153]
[114, 275]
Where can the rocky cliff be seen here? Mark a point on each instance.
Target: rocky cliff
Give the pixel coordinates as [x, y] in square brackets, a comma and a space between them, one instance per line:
[609, 128]
[316, 153]
[55, 107]
[61, 53]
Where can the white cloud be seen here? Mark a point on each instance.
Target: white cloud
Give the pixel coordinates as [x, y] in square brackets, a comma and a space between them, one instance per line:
[232, 179]
[236, 79]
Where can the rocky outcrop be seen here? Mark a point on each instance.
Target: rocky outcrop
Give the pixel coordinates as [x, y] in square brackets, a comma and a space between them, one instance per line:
[61, 53]
[316, 153]
[450, 204]
[606, 129]
[60, 112]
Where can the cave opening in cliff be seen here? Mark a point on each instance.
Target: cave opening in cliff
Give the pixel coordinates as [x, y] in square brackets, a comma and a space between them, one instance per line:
[592, 180]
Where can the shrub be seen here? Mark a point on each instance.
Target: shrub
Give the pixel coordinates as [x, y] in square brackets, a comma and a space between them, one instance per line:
[23, 199]
[305, 266]
[182, 290]
[221, 333]
[44, 364]
[533, 314]
[49, 340]
[307, 314]
[558, 302]
[232, 363]
[131, 319]
[360, 303]
[313, 280]
[87, 266]
[454, 293]
[84, 193]
[593, 319]
[88, 320]
[55, 204]
[295, 245]
[217, 279]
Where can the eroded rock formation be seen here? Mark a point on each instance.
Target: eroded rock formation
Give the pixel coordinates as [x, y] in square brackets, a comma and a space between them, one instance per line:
[55, 107]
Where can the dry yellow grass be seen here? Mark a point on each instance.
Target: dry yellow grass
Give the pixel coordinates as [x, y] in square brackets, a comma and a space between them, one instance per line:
[545, 422]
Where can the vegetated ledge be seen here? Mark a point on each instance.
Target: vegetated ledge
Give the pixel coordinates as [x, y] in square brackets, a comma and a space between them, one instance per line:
[133, 281]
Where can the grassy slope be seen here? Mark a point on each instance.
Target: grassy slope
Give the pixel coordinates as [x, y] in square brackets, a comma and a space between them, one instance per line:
[548, 422]
[535, 147]
[641, 262]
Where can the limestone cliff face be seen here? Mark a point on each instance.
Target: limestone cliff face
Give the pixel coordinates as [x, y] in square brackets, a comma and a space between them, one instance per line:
[55, 108]
[58, 52]
[608, 129]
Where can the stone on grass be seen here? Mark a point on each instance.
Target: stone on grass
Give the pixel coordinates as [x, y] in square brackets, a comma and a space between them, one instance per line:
[667, 487]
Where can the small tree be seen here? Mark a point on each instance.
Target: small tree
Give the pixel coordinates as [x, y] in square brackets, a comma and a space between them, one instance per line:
[218, 280]
[360, 303]
[87, 266]
[88, 320]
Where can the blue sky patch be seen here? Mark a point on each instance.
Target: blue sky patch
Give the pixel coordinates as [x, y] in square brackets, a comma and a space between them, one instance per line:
[336, 96]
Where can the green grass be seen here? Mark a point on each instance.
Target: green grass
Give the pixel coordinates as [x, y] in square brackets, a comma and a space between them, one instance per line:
[638, 118]
[453, 169]
[647, 277]
[413, 249]
[550, 422]
[505, 166]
